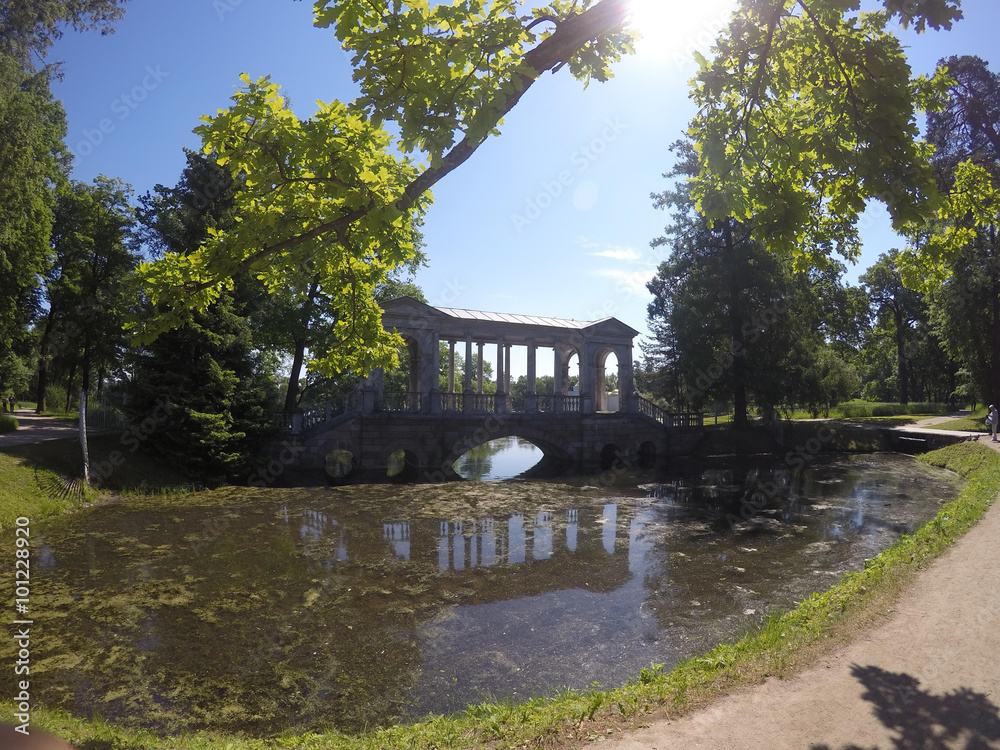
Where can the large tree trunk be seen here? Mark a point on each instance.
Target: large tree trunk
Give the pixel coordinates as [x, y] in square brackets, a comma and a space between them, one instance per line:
[292, 396]
[736, 324]
[301, 341]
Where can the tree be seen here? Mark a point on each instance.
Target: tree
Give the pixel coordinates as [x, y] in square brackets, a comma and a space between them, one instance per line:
[32, 162]
[898, 309]
[86, 289]
[964, 285]
[325, 199]
[805, 112]
[725, 311]
[29, 27]
[211, 375]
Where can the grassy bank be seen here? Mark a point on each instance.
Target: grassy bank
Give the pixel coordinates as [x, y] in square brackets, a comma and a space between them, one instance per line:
[43, 479]
[778, 646]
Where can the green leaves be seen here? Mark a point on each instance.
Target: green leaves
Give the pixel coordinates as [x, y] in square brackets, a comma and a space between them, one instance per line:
[804, 115]
[323, 201]
[318, 201]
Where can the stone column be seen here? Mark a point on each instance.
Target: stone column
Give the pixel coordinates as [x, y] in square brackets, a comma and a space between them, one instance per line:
[506, 367]
[626, 380]
[501, 397]
[467, 377]
[479, 369]
[451, 374]
[430, 374]
[530, 399]
[558, 377]
[588, 376]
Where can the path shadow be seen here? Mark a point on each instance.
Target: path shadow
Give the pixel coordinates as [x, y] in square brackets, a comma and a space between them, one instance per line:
[958, 720]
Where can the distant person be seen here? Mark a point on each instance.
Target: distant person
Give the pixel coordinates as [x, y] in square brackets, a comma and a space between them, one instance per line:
[991, 421]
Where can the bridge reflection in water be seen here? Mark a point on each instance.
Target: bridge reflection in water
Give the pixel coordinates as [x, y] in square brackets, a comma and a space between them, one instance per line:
[456, 546]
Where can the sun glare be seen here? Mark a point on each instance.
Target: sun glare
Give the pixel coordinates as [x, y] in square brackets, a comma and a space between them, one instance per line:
[673, 29]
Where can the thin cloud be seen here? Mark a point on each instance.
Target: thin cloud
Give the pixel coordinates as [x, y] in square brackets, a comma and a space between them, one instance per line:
[628, 282]
[626, 254]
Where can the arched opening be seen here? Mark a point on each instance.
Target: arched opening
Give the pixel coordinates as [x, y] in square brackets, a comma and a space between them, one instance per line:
[402, 466]
[647, 455]
[401, 386]
[571, 382]
[339, 465]
[611, 457]
[503, 458]
[606, 382]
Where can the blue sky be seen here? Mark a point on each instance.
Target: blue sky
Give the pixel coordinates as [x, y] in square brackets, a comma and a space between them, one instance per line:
[553, 218]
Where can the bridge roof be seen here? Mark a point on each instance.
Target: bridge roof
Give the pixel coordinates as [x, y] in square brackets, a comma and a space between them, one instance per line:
[413, 309]
[530, 320]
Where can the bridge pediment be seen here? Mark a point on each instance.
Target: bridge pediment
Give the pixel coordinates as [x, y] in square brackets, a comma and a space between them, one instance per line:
[611, 327]
[410, 310]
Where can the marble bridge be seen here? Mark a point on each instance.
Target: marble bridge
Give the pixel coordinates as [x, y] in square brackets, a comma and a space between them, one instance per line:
[436, 420]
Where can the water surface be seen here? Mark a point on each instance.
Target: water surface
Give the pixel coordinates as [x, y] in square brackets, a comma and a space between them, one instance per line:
[262, 610]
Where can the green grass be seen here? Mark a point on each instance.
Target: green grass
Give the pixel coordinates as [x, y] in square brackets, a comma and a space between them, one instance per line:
[7, 423]
[42, 479]
[975, 422]
[868, 410]
[27, 490]
[783, 641]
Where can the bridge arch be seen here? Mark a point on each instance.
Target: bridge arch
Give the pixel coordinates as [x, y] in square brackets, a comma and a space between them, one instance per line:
[550, 445]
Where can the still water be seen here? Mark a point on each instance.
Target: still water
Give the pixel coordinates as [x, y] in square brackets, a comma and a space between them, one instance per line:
[263, 610]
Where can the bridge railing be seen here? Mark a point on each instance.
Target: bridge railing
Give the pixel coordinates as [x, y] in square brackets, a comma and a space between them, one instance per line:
[300, 421]
[402, 401]
[667, 418]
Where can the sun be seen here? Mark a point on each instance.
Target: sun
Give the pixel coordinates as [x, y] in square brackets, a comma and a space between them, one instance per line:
[674, 28]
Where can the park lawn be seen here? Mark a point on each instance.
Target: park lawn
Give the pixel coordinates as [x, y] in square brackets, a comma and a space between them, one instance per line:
[43, 479]
[975, 422]
[137, 473]
[26, 490]
[783, 643]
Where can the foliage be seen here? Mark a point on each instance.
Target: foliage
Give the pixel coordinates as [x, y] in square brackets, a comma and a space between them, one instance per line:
[209, 381]
[208, 402]
[324, 201]
[955, 259]
[86, 285]
[805, 112]
[29, 27]
[7, 423]
[857, 409]
[732, 322]
[32, 161]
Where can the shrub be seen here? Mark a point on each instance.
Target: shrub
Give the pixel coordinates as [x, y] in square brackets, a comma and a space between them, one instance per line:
[7, 423]
[857, 409]
[55, 399]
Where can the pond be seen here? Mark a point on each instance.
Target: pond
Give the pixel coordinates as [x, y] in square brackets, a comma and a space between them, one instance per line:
[259, 610]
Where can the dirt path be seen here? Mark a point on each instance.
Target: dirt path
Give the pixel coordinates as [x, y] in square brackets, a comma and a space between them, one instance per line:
[35, 429]
[927, 677]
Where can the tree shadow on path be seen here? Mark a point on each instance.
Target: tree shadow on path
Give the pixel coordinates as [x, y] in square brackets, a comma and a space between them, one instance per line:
[958, 720]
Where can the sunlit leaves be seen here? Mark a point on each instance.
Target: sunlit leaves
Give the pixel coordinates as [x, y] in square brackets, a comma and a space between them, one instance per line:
[970, 207]
[297, 175]
[806, 111]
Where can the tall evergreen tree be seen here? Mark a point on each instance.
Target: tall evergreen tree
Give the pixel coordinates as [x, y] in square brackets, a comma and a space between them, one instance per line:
[210, 374]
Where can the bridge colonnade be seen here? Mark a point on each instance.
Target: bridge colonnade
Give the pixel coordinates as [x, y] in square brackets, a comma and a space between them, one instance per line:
[469, 332]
